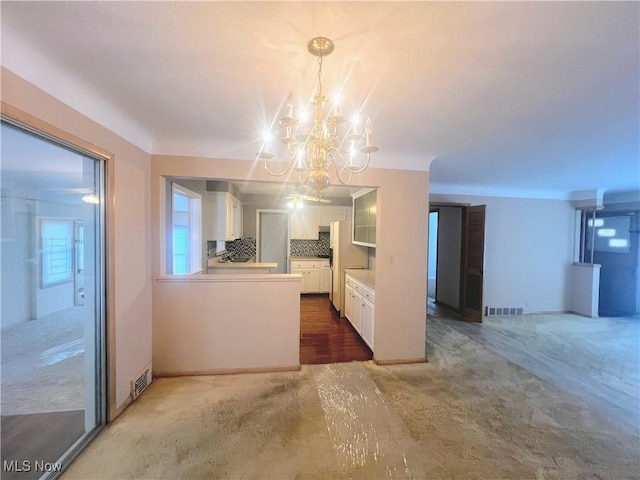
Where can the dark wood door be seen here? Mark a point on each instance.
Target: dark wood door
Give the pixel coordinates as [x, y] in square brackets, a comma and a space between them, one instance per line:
[472, 262]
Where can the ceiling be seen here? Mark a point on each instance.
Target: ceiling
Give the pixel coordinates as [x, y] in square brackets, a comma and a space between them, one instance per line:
[531, 98]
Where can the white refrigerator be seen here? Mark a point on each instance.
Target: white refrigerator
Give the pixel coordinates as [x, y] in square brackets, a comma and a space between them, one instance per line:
[344, 254]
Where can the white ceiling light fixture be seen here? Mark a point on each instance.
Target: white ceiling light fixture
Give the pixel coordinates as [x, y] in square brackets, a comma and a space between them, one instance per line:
[91, 198]
[324, 142]
[295, 203]
[295, 200]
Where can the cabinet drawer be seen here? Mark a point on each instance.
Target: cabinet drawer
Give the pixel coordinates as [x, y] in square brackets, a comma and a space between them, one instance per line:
[349, 281]
[305, 264]
[369, 295]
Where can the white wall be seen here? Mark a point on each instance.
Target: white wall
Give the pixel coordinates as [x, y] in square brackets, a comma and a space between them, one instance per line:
[528, 251]
[449, 243]
[17, 279]
[584, 289]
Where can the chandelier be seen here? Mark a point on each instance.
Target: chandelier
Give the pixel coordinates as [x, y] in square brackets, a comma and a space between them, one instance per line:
[327, 141]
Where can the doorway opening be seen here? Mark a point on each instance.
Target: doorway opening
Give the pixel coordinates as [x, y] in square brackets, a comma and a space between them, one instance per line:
[432, 267]
[456, 258]
[273, 238]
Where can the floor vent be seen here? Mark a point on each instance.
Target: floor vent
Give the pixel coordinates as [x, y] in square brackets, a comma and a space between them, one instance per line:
[141, 382]
[493, 311]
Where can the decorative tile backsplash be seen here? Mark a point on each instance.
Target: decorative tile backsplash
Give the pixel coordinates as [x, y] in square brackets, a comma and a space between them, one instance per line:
[242, 247]
[311, 248]
[246, 247]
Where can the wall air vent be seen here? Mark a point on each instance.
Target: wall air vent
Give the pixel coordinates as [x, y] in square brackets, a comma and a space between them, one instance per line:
[493, 311]
[141, 382]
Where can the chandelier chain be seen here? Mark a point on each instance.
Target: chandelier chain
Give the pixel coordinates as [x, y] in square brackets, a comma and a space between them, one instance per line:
[320, 76]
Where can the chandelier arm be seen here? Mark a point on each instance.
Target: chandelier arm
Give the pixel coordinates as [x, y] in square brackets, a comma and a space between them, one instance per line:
[284, 172]
[302, 177]
[342, 150]
[333, 135]
[332, 162]
[361, 169]
[289, 147]
[343, 182]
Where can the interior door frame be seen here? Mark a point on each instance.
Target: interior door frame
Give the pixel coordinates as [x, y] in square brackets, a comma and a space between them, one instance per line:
[22, 119]
[434, 209]
[258, 233]
[467, 268]
[106, 409]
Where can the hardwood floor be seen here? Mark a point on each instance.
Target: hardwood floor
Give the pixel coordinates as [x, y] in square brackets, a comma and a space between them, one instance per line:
[326, 338]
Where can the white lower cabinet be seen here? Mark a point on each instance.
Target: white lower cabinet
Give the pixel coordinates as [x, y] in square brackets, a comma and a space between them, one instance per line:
[368, 313]
[360, 308]
[348, 303]
[325, 277]
[313, 275]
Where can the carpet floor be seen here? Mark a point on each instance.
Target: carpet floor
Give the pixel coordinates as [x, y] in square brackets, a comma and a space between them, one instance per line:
[42, 364]
[468, 413]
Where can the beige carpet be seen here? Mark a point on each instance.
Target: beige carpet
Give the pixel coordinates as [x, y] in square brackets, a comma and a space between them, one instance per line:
[42, 366]
[469, 413]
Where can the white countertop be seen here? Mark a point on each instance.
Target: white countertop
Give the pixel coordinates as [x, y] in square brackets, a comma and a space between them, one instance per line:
[215, 263]
[309, 258]
[368, 277]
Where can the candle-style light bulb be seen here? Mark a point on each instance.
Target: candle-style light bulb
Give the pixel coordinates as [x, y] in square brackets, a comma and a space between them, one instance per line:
[290, 105]
[336, 105]
[352, 154]
[300, 160]
[303, 115]
[368, 130]
[355, 121]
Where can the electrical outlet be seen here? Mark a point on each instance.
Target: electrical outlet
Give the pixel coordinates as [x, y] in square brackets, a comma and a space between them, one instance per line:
[391, 259]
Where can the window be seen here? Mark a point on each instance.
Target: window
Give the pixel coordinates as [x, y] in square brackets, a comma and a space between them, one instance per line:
[186, 232]
[612, 234]
[56, 238]
[605, 233]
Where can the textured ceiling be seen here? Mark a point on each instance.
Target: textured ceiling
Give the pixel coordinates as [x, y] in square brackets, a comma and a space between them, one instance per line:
[507, 96]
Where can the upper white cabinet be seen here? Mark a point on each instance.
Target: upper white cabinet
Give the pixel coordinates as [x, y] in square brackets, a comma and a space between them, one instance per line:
[224, 212]
[364, 217]
[304, 224]
[326, 215]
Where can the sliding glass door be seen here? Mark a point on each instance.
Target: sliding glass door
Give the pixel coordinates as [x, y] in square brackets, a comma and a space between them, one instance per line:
[52, 320]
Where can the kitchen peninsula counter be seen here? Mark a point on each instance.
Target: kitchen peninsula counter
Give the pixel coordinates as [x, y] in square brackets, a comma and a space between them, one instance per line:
[309, 258]
[216, 266]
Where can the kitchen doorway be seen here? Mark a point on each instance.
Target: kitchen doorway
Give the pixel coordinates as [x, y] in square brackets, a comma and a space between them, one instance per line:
[273, 238]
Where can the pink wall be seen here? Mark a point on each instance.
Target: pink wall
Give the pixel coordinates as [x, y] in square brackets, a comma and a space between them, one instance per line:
[207, 324]
[130, 200]
[402, 220]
